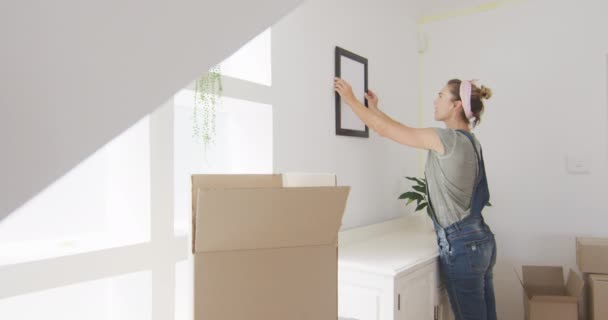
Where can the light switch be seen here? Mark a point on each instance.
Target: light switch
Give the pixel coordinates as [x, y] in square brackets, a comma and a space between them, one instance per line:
[578, 163]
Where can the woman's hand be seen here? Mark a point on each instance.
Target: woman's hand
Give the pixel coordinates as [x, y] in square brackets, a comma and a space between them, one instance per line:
[372, 99]
[345, 91]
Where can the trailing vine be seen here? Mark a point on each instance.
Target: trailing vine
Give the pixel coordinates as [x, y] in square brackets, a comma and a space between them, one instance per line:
[207, 97]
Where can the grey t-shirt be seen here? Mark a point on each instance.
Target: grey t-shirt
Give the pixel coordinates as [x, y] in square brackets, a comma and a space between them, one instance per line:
[451, 176]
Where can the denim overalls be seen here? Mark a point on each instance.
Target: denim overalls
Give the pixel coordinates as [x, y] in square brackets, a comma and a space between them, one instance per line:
[467, 254]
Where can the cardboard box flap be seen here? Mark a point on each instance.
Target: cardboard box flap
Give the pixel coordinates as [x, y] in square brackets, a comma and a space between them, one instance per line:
[532, 291]
[518, 275]
[574, 284]
[208, 181]
[599, 277]
[592, 241]
[243, 219]
[554, 299]
[229, 181]
[543, 277]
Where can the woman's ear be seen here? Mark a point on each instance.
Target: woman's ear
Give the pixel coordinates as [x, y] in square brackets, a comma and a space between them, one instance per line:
[457, 104]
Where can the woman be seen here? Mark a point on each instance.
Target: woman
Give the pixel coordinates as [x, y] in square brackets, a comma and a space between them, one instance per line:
[457, 189]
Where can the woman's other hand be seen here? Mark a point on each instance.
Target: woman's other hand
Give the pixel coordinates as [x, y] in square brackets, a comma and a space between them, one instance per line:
[372, 99]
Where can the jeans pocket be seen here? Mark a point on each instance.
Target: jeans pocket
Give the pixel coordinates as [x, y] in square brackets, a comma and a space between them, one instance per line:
[479, 254]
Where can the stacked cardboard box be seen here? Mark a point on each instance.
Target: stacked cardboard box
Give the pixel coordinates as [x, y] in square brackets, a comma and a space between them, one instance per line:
[592, 260]
[265, 246]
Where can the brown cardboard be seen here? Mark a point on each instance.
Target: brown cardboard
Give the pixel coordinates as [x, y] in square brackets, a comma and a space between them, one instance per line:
[268, 217]
[592, 255]
[264, 251]
[236, 181]
[287, 283]
[598, 302]
[546, 297]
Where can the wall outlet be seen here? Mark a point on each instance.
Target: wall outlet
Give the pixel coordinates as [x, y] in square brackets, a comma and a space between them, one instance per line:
[578, 163]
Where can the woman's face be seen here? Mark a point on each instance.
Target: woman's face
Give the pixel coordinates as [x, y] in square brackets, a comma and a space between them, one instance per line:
[444, 104]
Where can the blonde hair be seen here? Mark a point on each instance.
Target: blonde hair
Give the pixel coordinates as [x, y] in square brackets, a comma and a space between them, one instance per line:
[477, 95]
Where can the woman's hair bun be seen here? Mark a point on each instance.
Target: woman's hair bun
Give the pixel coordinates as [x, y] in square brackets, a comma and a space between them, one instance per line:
[485, 93]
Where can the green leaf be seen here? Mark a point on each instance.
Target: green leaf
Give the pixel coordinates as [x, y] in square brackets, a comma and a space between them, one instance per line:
[489, 204]
[420, 189]
[415, 179]
[428, 212]
[411, 195]
[421, 206]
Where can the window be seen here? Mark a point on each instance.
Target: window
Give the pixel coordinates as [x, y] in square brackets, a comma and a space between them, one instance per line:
[116, 207]
[121, 297]
[103, 202]
[183, 290]
[252, 62]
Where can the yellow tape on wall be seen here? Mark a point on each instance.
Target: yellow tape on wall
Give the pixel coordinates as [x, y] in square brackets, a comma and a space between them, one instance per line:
[468, 11]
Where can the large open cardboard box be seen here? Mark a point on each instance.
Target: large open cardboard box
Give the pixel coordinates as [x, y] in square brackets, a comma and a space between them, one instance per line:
[546, 297]
[263, 250]
[592, 255]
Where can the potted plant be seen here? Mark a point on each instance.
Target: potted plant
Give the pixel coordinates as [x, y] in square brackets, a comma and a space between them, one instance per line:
[419, 195]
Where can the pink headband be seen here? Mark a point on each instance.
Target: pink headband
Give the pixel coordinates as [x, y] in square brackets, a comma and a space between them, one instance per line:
[465, 97]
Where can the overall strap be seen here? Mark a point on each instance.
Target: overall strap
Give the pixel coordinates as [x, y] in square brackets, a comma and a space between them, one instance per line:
[481, 193]
[477, 154]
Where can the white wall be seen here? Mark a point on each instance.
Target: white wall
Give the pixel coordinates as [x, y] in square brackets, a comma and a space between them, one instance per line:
[76, 74]
[384, 32]
[546, 62]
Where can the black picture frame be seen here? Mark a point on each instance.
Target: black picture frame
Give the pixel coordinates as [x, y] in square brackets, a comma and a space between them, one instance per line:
[363, 132]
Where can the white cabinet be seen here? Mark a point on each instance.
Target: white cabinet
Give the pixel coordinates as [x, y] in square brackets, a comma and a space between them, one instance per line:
[365, 295]
[417, 293]
[389, 271]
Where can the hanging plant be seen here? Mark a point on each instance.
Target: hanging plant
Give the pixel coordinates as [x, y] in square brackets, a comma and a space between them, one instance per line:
[207, 96]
